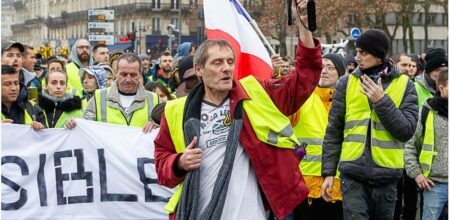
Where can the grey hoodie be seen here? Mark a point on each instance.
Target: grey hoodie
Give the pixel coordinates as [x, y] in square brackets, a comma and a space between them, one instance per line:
[439, 165]
[74, 56]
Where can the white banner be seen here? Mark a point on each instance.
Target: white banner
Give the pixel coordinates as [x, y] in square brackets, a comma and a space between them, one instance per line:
[94, 171]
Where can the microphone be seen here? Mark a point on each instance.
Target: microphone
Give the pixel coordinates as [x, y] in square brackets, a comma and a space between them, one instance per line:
[311, 9]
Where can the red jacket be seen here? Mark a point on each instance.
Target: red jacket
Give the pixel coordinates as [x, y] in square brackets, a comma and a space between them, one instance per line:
[279, 177]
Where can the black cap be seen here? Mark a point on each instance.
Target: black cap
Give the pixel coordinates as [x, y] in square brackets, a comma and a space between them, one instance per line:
[435, 58]
[6, 45]
[374, 42]
[338, 61]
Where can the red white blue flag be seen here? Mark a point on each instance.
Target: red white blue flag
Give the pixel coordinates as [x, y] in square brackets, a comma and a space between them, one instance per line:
[228, 20]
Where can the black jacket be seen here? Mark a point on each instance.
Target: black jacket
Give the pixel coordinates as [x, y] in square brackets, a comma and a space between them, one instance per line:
[400, 123]
[16, 112]
[54, 109]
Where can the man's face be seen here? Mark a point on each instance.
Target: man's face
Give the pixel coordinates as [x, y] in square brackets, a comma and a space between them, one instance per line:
[284, 68]
[102, 55]
[89, 83]
[217, 74]
[412, 69]
[404, 64]
[351, 67]
[329, 75]
[166, 63]
[56, 85]
[146, 63]
[29, 60]
[366, 60]
[83, 50]
[10, 87]
[434, 74]
[128, 76]
[12, 57]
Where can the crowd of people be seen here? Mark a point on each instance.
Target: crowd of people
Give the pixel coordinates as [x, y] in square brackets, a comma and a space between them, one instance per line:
[375, 127]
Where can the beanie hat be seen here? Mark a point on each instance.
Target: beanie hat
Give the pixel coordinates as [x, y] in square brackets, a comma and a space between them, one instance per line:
[184, 64]
[143, 57]
[338, 61]
[374, 42]
[350, 59]
[98, 72]
[435, 58]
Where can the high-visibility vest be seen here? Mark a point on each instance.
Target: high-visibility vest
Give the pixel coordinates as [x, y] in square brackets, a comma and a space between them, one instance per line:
[28, 118]
[427, 153]
[386, 150]
[107, 114]
[73, 79]
[269, 124]
[65, 116]
[311, 129]
[422, 93]
[84, 103]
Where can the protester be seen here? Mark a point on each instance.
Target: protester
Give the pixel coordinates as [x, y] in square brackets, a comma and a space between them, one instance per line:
[310, 124]
[162, 72]
[185, 49]
[215, 139]
[145, 64]
[58, 105]
[436, 60]
[15, 106]
[101, 53]
[351, 63]
[113, 61]
[426, 154]
[374, 111]
[93, 77]
[12, 55]
[126, 102]
[413, 69]
[187, 77]
[403, 63]
[163, 94]
[81, 57]
[28, 62]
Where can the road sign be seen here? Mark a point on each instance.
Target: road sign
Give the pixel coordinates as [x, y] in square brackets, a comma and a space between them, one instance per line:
[108, 39]
[103, 27]
[355, 33]
[100, 15]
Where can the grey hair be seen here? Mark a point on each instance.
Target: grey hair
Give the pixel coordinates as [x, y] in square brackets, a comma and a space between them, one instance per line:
[201, 54]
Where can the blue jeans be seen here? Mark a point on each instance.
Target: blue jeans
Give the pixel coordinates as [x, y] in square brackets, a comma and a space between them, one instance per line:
[362, 200]
[434, 201]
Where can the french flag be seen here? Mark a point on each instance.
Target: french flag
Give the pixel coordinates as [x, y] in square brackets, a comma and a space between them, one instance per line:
[228, 20]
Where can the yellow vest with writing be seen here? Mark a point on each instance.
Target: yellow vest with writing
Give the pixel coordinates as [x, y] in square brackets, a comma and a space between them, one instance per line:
[386, 150]
[269, 124]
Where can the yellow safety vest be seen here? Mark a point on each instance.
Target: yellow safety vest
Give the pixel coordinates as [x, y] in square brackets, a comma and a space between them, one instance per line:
[269, 124]
[114, 116]
[65, 116]
[427, 153]
[27, 117]
[422, 93]
[74, 79]
[386, 150]
[311, 129]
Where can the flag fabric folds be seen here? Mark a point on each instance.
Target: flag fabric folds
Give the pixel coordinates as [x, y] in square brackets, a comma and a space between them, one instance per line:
[226, 19]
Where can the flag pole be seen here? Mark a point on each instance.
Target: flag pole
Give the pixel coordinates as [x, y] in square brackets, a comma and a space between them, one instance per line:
[255, 26]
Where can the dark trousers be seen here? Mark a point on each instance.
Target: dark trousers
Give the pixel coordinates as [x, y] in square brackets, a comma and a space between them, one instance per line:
[318, 210]
[361, 200]
[407, 194]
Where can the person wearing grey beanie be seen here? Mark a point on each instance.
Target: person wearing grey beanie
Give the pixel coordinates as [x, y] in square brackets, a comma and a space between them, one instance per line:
[338, 62]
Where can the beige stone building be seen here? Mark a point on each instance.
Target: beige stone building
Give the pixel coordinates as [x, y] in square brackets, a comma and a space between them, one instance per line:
[62, 22]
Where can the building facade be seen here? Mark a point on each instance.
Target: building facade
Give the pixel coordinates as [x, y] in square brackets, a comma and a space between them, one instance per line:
[62, 22]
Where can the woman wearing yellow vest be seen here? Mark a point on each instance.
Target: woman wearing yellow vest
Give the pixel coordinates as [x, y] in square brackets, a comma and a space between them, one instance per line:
[58, 105]
[93, 78]
[426, 154]
[374, 112]
[310, 124]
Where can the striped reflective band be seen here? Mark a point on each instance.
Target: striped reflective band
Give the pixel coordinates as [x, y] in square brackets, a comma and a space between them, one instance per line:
[103, 104]
[312, 158]
[354, 123]
[286, 132]
[311, 141]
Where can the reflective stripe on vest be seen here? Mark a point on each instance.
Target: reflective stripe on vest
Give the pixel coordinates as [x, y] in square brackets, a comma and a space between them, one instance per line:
[422, 93]
[386, 150]
[311, 129]
[427, 153]
[114, 116]
[258, 108]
